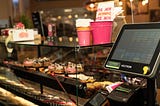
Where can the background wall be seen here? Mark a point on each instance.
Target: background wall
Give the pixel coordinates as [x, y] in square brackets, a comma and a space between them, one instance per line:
[27, 6]
[10, 11]
[5, 12]
[153, 4]
[5, 9]
[39, 5]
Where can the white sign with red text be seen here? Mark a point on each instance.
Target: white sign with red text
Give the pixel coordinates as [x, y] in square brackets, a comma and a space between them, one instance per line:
[22, 34]
[105, 11]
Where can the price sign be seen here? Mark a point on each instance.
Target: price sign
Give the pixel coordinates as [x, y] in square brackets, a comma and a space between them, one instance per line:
[105, 11]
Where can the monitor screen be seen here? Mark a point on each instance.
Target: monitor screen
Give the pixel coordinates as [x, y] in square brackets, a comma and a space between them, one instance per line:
[136, 50]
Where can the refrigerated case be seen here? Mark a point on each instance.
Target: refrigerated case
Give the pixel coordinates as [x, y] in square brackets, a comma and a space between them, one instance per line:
[41, 88]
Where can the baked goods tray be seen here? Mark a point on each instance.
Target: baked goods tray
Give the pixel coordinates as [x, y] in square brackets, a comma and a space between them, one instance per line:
[69, 84]
[23, 95]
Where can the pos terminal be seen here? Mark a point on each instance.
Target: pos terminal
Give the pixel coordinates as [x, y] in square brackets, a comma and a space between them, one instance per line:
[136, 52]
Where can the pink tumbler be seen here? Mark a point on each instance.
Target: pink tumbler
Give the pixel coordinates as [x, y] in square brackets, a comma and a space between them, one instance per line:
[101, 32]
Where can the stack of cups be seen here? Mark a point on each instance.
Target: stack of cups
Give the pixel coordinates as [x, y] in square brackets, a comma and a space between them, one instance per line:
[84, 32]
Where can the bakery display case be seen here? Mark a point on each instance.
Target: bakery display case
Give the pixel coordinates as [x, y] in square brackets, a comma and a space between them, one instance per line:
[50, 73]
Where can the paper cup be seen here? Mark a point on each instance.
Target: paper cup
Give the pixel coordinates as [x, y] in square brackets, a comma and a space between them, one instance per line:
[84, 36]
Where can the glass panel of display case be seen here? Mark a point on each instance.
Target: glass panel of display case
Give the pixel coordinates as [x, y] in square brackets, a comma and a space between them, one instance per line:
[64, 18]
[3, 51]
[26, 51]
[55, 53]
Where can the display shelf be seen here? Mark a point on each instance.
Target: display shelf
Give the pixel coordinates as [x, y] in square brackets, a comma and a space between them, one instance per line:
[30, 89]
[64, 45]
[27, 97]
[98, 45]
[72, 86]
[51, 81]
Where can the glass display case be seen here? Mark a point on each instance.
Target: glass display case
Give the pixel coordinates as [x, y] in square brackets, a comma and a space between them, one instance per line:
[58, 74]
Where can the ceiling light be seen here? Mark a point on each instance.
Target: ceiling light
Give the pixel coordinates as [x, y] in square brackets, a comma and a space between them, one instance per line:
[144, 2]
[120, 3]
[69, 16]
[41, 12]
[76, 16]
[59, 17]
[85, 15]
[91, 5]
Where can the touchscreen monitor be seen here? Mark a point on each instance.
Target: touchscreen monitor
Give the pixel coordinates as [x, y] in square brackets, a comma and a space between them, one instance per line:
[136, 50]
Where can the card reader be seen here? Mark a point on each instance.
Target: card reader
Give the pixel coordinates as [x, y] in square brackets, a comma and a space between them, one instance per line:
[126, 95]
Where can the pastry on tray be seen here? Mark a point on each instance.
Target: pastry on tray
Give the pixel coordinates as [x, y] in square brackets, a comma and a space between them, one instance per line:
[56, 68]
[46, 61]
[28, 62]
[37, 62]
[73, 68]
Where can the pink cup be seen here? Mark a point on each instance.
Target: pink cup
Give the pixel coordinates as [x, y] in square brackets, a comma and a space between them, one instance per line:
[84, 37]
[101, 32]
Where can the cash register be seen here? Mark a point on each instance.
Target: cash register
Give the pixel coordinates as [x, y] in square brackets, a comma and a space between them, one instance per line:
[135, 53]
